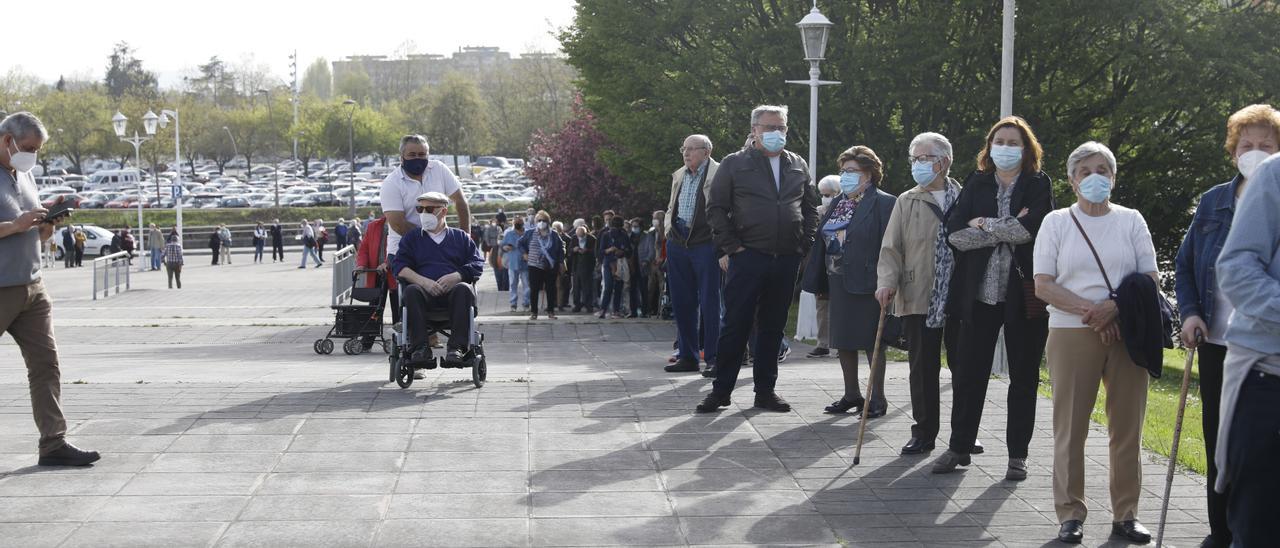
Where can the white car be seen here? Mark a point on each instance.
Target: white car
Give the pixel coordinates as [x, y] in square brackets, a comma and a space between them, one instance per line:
[97, 241]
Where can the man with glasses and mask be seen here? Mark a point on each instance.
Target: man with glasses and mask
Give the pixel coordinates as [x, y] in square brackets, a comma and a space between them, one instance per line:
[763, 212]
[693, 276]
[418, 175]
[437, 263]
[25, 309]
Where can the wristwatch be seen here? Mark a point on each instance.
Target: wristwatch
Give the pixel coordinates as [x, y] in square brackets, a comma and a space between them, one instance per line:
[982, 224]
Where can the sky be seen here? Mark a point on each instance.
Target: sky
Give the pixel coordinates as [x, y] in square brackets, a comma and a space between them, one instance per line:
[75, 37]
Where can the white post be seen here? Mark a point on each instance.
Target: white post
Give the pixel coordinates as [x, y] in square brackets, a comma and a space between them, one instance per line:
[1006, 61]
[137, 156]
[177, 177]
[813, 121]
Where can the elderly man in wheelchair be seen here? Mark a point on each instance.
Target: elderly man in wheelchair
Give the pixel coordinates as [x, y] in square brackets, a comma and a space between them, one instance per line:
[437, 266]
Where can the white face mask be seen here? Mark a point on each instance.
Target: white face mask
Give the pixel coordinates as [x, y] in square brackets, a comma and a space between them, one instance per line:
[542, 225]
[429, 221]
[20, 160]
[1248, 162]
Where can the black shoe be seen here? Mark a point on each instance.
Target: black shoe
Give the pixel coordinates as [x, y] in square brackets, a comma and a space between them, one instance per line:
[709, 371]
[1131, 530]
[454, 358]
[977, 448]
[1215, 541]
[948, 462]
[1071, 532]
[420, 357]
[843, 405]
[771, 402]
[818, 352]
[876, 409]
[682, 366]
[69, 455]
[916, 447]
[713, 402]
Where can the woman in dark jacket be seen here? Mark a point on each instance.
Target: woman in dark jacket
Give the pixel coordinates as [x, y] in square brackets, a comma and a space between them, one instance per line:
[215, 245]
[543, 250]
[1253, 133]
[993, 228]
[842, 266]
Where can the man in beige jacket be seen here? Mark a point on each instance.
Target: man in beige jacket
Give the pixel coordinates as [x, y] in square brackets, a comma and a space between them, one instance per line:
[914, 273]
[693, 271]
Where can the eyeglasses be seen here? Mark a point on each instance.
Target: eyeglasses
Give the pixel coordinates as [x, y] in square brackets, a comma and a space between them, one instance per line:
[924, 158]
[850, 170]
[688, 149]
[427, 209]
[767, 127]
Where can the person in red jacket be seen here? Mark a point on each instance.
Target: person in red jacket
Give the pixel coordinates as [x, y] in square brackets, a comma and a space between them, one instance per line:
[373, 254]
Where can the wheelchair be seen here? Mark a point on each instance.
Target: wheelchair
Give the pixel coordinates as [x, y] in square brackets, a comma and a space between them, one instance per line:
[438, 323]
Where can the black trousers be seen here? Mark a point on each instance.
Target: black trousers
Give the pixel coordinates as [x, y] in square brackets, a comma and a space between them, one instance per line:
[1211, 358]
[458, 301]
[540, 280]
[1024, 343]
[277, 249]
[924, 355]
[583, 280]
[1251, 457]
[757, 294]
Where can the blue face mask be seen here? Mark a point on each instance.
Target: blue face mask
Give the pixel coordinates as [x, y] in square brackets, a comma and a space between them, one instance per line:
[1006, 157]
[849, 182]
[1095, 188]
[773, 141]
[922, 172]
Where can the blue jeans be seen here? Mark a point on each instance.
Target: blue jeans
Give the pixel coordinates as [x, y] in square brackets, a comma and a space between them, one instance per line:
[611, 299]
[155, 259]
[1251, 460]
[693, 278]
[257, 250]
[519, 285]
[311, 251]
[757, 292]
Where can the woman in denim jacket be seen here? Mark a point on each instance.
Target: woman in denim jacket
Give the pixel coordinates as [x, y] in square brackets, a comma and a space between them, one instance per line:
[1253, 133]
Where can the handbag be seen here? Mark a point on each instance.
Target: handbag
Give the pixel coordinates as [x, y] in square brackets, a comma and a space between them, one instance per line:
[1034, 308]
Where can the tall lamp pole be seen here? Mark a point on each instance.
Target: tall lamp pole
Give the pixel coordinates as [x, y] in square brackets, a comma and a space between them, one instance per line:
[178, 191]
[235, 151]
[271, 121]
[814, 29]
[351, 152]
[1006, 60]
[119, 123]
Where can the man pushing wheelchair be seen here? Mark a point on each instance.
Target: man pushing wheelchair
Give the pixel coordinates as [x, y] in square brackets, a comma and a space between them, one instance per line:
[437, 266]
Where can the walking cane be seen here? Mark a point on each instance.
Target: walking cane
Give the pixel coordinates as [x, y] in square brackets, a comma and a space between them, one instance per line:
[1177, 436]
[875, 358]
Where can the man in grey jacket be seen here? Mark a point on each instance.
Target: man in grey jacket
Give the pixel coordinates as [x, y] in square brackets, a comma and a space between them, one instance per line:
[693, 276]
[763, 212]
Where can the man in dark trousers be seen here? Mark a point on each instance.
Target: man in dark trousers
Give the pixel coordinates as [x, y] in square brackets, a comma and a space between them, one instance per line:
[502, 218]
[763, 213]
[693, 275]
[277, 241]
[582, 260]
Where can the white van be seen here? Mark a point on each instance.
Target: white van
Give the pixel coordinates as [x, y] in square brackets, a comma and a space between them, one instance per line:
[114, 179]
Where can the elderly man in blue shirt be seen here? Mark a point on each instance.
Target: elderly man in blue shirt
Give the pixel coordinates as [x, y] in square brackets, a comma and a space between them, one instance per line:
[437, 263]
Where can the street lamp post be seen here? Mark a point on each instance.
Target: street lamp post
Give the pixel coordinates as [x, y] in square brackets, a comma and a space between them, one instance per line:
[814, 29]
[275, 166]
[235, 151]
[178, 191]
[351, 153]
[1006, 60]
[119, 123]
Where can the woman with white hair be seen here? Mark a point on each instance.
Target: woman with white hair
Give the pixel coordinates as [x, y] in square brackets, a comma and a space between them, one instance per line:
[829, 188]
[1080, 252]
[914, 273]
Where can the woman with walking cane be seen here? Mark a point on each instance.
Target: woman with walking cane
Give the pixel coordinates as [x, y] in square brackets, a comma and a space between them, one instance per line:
[1079, 251]
[842, 266]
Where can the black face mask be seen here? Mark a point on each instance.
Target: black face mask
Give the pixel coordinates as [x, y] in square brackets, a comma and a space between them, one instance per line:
[415, 166]
[519, 226]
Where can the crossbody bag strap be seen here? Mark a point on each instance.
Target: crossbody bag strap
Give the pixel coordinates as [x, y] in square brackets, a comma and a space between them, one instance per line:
[1096, 258]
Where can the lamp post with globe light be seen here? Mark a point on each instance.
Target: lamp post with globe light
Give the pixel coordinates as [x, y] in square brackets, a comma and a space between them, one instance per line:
[120, 123]
[814, 30]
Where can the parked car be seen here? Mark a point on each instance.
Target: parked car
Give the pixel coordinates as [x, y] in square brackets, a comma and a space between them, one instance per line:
[97, 240]
[233, 201]
[486, 196]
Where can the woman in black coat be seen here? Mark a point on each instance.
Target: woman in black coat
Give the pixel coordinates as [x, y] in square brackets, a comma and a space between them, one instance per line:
[215, 244]
[993, 228]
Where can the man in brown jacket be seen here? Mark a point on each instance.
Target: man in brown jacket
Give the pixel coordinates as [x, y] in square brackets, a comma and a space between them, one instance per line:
[914, 272]
[693, 275]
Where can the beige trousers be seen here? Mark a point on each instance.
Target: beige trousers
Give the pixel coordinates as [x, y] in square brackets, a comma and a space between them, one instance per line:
[824, 331]
[1078, 362]
[26, 315]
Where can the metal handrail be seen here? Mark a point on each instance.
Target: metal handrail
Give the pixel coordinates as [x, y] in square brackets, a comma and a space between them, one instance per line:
[114, 263]
[344, 265]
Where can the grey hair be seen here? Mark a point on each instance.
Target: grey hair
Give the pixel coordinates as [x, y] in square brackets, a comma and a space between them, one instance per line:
[559, 226]
[22, 125]
[1083, 152]
[780, 110]
[940, 144]
[579, 222]
[830, 183]
[706, 141]
[415, 138]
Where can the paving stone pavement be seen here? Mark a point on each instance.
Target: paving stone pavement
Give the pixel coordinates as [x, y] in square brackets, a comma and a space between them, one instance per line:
[220, 427]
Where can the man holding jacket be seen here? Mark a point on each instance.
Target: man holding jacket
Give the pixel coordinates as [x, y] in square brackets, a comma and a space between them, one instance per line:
[763, 212]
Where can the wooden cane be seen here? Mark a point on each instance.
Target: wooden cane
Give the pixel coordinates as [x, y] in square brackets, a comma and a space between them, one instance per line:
[875, 358]
[1177, 436]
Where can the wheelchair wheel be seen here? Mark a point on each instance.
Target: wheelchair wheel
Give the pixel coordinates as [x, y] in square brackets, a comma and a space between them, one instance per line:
[394, 360]
[386, 347]
[479, 372]
[404, 373]
[326, 346]
[316, 346]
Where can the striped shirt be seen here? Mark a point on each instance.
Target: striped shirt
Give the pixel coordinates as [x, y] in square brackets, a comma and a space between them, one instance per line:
[536, 258]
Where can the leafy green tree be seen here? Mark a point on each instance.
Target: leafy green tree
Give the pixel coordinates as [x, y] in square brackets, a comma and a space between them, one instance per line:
[458, 121]
[355, 84]
[78, 120]
[318, 80]
[126, 76]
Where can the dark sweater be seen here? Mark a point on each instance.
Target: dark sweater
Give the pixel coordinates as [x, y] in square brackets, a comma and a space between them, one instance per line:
[456, 253]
